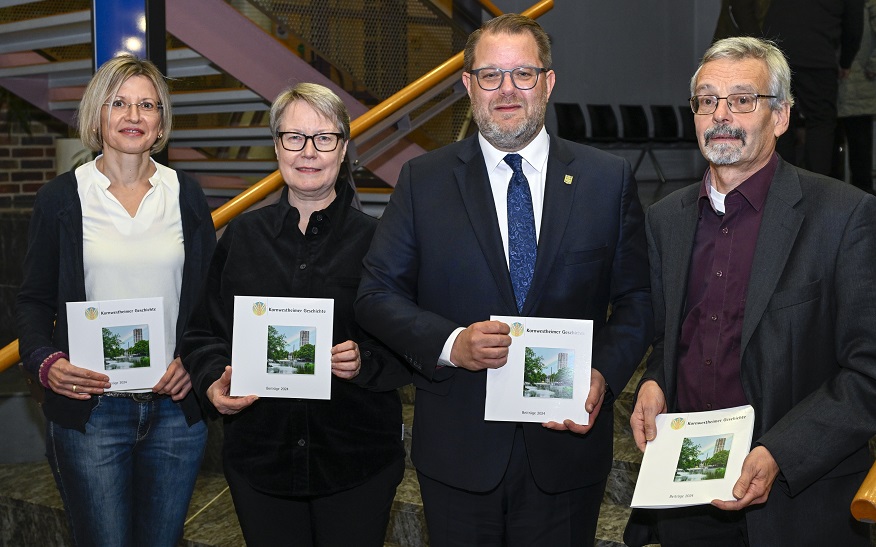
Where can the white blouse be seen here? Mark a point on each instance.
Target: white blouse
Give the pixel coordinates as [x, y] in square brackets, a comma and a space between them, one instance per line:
[133, 257]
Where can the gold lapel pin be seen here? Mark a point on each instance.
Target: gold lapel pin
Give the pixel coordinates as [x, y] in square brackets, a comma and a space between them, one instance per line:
[568, 179]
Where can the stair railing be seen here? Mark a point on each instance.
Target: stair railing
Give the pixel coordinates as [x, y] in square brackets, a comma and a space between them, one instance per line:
[222, 215]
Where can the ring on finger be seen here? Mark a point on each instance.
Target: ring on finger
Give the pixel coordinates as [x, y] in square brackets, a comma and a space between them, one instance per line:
[74, 388]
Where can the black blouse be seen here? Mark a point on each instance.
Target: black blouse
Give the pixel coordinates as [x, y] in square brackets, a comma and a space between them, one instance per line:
[296, 447]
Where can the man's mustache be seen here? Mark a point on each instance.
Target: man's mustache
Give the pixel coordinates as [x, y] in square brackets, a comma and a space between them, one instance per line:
[724, 131]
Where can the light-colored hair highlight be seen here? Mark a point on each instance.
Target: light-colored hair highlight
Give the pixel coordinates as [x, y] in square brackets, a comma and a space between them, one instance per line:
[104, 86]
[320, 98]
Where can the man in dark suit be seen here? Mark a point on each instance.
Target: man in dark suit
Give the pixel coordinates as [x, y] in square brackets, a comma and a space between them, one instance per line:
[450, 251]
[764, 292]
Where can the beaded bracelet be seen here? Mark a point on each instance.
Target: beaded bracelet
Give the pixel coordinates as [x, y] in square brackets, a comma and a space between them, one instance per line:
[47, 364]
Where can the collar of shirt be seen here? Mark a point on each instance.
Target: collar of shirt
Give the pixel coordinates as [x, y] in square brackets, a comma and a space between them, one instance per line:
[754, 189]
[88, 176]
[284, 212]
[535, 156]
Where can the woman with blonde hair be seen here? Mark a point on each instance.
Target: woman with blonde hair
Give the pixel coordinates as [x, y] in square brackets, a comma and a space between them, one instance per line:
[121, 226]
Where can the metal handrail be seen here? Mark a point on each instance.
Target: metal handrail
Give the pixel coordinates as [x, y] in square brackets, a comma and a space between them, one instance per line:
[222, 215]
[864, 503]
[491, 7]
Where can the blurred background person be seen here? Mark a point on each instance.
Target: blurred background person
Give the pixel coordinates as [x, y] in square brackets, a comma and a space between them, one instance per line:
[820, 39]
[303, 472]
[857, 104]
[740, 18]
[121, 226]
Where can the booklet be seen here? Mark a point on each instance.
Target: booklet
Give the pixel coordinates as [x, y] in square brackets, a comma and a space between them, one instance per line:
[123, 339]
[695, 458]
[547, 376]
[282, 347]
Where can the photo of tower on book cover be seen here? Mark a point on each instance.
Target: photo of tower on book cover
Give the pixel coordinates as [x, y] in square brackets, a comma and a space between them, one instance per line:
[126, 347]
[291, 349]
[703, 458]
[548, 373]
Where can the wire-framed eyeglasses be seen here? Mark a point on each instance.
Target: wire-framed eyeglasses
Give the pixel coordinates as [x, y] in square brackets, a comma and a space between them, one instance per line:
[738, 103]
[295, 142]
[523, 77]
[143, 106]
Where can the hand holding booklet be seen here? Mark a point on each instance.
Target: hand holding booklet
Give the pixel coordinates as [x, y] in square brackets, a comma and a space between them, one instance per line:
[547, 376]
[123, 339]
[281, 347]
[695, 458]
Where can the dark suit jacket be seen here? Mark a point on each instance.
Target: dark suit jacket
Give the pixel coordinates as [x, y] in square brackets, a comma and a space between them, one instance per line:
[437, 263]
[808, 344]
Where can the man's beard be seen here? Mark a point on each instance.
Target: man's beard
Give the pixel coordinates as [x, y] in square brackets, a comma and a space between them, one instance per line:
[517, 137]
[723, 153]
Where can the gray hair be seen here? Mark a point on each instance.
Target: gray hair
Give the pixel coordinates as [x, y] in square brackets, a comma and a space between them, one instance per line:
[104, 86]
[738, 48]
[320, 98]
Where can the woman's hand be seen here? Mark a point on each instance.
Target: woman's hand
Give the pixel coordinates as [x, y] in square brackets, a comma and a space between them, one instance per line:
[345, 360]
[74, 382]
[218, 393]
[175, 382]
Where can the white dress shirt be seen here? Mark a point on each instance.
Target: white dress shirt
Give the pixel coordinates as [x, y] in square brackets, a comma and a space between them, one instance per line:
[535, 156]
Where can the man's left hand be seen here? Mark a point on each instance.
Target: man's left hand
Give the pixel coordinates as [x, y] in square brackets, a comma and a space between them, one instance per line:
[592, 405]
[759, 471]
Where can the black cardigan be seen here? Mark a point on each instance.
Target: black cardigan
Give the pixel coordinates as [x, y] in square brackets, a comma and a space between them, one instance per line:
[54, 275]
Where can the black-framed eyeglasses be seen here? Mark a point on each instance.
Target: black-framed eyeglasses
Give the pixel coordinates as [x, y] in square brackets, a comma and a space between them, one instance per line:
[295, 142]
[142, 106]
[738, 103]
[523, 77]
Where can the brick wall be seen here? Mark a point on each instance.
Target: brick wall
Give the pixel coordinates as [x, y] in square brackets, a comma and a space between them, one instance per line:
[27, 161]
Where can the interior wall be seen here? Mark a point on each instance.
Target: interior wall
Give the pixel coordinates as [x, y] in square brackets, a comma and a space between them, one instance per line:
[625, 51]
[628, 52]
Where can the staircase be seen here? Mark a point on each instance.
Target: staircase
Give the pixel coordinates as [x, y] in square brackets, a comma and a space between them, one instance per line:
[228, 59]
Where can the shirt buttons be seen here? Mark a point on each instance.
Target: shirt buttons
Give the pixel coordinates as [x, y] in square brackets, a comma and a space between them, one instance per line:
[301, 442]
[719, 273]
[708, 362]
[314, 230]
[319, 218]
[708, 406]
[725, 230]
[714, 318]
[302, 267]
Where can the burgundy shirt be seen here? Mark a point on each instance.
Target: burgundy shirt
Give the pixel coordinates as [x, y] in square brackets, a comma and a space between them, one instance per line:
[709, 360]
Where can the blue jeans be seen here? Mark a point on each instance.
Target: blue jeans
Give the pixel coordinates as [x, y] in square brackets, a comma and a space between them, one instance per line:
[129, 478]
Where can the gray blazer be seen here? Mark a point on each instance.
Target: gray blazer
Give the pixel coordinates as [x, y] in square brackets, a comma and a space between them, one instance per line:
[808, 344]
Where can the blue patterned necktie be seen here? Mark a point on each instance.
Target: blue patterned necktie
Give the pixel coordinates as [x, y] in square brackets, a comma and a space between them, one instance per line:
[521, 231]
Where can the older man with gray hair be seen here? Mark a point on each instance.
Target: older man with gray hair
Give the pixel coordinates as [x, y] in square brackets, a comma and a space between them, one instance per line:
[764, 293]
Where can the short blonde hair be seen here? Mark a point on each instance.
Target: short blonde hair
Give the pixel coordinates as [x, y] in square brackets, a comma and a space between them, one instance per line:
[320, 98]
[104, 86]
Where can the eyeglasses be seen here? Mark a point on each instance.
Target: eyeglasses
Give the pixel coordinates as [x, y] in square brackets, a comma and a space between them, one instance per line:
[295, 142]
[738, 103]
[147, 107]
[523, 77]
